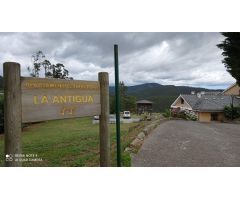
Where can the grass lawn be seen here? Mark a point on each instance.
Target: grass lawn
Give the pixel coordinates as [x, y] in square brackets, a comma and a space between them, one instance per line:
[70, 142]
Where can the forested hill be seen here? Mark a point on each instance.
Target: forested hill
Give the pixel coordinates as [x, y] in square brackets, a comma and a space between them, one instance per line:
[161, 95]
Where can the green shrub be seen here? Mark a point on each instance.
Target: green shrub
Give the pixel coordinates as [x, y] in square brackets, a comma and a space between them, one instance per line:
[181, 115]
[230, 112]
[166, 113]
[190, 117]
[126, 159]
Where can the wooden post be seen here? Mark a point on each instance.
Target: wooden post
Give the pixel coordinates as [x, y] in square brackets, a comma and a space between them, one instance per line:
[12, 113]
[104, 119]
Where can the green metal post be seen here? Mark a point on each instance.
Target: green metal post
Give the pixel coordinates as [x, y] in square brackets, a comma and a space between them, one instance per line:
[117, 106]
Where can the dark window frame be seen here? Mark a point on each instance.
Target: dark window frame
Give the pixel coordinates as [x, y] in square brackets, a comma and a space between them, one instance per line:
[182, 101]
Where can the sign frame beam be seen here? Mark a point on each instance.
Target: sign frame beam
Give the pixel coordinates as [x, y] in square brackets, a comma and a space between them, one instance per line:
[13, 116]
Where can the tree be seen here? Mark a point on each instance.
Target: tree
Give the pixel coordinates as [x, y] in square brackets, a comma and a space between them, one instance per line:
[231, 53]
[50, 70]
[47, 68]
[59, 71]
[37, 59]
[126, 102]
[112, 104]
[130, 104]
[123, 95]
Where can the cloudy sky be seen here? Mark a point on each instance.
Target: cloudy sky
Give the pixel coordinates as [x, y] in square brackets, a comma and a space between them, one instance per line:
[190, 59]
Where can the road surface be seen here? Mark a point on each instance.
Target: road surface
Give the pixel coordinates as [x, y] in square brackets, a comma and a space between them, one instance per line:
[188, 143]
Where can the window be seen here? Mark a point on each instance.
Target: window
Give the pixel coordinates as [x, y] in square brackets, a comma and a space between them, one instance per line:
[182, 101]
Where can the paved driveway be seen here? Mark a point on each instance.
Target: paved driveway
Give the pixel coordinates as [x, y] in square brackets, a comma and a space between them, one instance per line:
[188, 143]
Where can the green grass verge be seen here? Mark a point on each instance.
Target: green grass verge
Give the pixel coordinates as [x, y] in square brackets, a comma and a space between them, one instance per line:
[70, 142]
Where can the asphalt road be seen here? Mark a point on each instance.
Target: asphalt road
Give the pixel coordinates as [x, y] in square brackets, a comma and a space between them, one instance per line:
[179, 143]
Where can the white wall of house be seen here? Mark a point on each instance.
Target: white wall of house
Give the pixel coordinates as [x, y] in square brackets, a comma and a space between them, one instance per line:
[181, 103]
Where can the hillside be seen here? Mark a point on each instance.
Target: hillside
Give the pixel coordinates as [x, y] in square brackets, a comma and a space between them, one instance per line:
[161, 95]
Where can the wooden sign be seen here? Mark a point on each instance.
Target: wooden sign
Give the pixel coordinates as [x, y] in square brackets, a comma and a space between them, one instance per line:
[38, 99]
[47, 99]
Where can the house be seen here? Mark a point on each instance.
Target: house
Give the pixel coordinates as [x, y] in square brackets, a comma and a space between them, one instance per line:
[234, 89]
[144, 106]
[207, 106]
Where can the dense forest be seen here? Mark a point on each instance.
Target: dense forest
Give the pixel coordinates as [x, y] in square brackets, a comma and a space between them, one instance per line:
[162, 96]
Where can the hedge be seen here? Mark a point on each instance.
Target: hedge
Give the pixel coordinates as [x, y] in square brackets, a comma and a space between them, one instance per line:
[230, 112]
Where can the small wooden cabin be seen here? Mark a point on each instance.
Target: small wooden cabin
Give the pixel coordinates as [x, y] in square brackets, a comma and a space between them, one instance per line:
[144, 106]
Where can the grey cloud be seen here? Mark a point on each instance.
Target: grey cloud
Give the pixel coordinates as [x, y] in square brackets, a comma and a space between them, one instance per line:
[165, 58]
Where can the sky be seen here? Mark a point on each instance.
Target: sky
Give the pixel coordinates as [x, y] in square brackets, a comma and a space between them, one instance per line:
[190, 59]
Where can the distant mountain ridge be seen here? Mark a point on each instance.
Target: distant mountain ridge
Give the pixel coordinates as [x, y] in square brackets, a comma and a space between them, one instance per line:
[161, 95]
